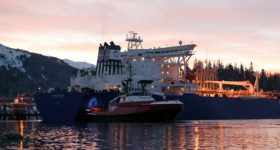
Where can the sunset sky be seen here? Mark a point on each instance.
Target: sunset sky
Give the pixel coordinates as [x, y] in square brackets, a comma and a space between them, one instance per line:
[236, 31]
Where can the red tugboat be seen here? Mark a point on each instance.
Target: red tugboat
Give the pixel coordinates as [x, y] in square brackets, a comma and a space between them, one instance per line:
[136, 108]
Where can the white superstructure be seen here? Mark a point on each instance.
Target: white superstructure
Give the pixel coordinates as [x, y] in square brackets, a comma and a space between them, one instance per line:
[164, 66]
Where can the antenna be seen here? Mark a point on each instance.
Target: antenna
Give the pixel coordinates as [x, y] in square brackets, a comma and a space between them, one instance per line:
[133, 41]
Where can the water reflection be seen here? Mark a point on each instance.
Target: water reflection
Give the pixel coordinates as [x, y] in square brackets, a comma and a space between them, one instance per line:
[237, 134]
[21, 127]
[196, 138]
[10, 132]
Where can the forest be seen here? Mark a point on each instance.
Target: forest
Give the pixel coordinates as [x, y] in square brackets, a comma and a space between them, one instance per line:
[269, 81]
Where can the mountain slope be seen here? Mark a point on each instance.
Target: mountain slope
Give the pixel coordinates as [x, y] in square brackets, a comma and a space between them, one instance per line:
[22, 71]
[78, 64]
[12, 58]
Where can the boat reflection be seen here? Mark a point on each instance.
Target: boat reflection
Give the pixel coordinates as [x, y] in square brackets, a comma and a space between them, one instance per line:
[21, 131]
[139, 135]
[13, 134]
[188, 135]
[195, 135]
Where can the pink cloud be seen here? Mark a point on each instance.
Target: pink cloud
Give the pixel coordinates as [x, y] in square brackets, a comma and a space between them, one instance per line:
[242, 28]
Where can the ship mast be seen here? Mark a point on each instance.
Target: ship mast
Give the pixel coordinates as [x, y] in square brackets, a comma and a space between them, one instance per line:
[134, 41]
[256, 84]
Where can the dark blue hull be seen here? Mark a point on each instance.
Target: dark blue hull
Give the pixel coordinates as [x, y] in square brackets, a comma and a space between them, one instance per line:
[69, 107]
[211, 108]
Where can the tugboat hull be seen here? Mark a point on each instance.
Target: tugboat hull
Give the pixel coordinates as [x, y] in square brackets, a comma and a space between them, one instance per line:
[141, 114]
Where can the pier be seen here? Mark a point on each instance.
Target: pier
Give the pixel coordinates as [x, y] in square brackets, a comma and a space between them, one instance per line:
[14, 109]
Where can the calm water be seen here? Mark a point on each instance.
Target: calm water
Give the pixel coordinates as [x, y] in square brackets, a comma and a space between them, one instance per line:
[236, 134]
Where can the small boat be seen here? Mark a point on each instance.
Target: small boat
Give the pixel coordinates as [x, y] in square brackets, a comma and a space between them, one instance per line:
[136, 108]
[23, 106]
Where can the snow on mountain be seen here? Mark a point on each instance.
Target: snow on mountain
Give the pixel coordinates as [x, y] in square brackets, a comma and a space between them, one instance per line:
[23, 72]
[78, 64]
[12, 58]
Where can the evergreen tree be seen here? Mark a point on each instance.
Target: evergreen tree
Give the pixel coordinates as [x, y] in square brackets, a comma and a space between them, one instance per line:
[209, 65]
[263, 80]
[267, 82]
[242, 73]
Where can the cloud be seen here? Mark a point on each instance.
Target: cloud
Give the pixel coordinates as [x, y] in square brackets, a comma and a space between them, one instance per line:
[247, 30]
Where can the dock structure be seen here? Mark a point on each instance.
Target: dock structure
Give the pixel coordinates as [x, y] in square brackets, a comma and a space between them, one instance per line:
[11, 109]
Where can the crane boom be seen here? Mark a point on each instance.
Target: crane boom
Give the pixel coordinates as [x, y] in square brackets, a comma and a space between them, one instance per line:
[245, 84]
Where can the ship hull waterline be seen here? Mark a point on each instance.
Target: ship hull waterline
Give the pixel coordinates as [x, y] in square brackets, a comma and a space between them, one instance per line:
[155, 113]
[70, 106]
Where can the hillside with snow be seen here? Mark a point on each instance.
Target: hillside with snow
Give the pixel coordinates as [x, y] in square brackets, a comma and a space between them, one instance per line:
[24, 72]
[12, 58]
[78, 64]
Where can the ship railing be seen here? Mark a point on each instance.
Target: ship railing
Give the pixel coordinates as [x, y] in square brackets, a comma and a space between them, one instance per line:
[159, 53]
[173, 84]
[227, 93]
[169, 63]
[171, 54]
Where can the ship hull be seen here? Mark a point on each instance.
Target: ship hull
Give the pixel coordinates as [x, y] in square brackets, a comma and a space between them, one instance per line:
[70, 107]
[140, 113]
[215, 108]
[66, 107]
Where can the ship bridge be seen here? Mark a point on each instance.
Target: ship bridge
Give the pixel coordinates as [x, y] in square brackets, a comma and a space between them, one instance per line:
[166, 66]
[175, 51]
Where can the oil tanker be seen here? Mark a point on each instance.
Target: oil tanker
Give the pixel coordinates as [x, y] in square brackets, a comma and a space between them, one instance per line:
[166, 70]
